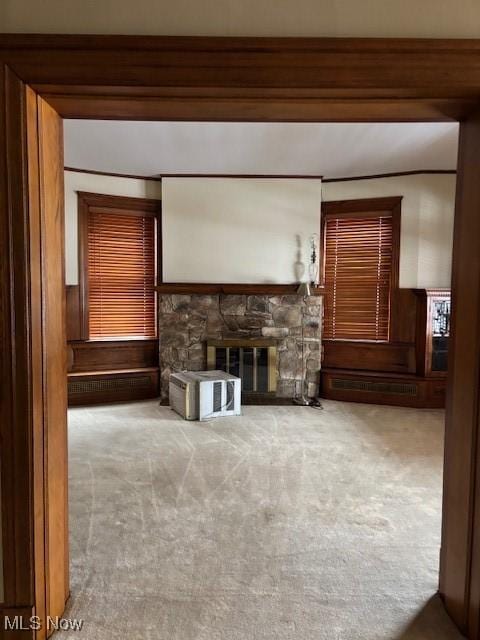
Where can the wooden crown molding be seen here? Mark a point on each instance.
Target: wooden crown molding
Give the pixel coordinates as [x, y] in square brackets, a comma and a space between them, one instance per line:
[159, 178]
[146, 205]
[393, 174]
[362, 205]
[237, 176]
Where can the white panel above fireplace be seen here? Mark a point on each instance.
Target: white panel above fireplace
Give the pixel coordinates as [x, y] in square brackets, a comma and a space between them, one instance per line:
[238, 230]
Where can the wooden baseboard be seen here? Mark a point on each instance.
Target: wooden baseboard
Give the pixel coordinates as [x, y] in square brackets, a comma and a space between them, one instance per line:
[383, 388]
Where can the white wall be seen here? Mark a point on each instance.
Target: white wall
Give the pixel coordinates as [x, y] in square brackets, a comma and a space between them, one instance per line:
[426, 228]
[111, 185]
[407, 18]
[234, 230]
[426, 224]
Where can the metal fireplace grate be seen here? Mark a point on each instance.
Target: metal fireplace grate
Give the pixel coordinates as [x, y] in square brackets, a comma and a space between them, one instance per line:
[255, 362]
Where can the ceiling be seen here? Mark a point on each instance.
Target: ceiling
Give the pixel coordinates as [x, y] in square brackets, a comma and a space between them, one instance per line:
[331, 150]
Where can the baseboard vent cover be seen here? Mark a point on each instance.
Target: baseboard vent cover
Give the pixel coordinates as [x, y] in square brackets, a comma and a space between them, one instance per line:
[401, 388]
[108, 384]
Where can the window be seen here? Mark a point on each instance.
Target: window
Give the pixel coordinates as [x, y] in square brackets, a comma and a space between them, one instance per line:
[119, 273]
[361, 239]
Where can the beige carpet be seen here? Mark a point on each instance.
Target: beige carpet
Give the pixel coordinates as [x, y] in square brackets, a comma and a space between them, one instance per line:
[285, 523]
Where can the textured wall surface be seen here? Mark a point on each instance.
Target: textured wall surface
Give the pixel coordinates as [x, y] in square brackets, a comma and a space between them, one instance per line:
[187, 321]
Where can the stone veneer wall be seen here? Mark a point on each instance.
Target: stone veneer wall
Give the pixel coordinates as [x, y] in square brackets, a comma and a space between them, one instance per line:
[187, 321]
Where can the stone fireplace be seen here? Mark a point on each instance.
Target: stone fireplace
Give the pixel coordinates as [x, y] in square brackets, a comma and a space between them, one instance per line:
[189, 324]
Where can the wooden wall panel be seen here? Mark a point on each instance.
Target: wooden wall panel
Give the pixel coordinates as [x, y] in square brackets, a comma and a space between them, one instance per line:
[74, 330]
[375, 388]
[19, 327]
[24, 313]
[461, 492]
[404, 316]
[368, 356]
[119, 354]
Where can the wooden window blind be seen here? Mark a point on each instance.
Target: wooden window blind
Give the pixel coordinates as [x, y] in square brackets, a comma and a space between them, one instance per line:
[121, 275]
[358, 275]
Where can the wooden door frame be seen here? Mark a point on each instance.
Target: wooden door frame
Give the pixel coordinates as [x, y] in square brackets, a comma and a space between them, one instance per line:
[225, 79]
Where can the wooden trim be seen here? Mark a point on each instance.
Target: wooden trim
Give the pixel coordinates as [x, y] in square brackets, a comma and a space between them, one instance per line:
[50, 153]
[101, 355]
[33, 390]
[114, 204]
[40, 437]
[147, 206]
[20, 336]
[160, 177]
[460, 552]
[72, 295]
[396, 238]
[429, 392]
[360, 205]
[254, 79]
[244, 176]
[201, 44]
[82, 223]
[231, 289]
[394, 174]
[113, 175]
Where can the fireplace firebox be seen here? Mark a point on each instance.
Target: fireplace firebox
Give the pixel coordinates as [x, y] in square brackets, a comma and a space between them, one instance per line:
[253, 360]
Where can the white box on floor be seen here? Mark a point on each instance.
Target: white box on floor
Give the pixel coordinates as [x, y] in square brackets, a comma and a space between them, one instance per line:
[201, 395]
